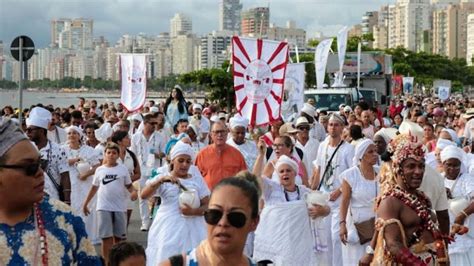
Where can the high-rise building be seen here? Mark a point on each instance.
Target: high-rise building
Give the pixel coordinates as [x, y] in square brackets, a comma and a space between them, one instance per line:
[255, 22]
[450, 30]
[1, 60]
[470, 40]
[72, 33]
[185, 53]
[369, 20]
[214, 49]
[180, 24]
[163, 63]
[408, 20]
[229, 15]
[290, 34]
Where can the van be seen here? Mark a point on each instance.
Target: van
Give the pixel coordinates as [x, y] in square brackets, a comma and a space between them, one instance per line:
[330, 99]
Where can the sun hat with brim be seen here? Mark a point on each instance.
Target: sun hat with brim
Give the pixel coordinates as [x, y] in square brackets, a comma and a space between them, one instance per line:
[287, 128]
[469, 113]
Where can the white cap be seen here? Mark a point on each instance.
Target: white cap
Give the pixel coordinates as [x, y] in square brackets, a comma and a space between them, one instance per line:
[214, 118]
[39, 117]
[308, 109]
[154, 109]
[197, 106]
[238, 121]
[301, 121]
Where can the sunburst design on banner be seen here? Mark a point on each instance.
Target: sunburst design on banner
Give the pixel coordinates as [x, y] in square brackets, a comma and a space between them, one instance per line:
[259, 73]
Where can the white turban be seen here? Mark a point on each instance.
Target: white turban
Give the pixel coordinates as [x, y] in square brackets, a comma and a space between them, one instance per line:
[337, 118]
[452, 133]
[410, 128]
[443, 143]
[452, 152]
[181, 148]
[76, 129]
[214, 118]
[103, 132]
[137, 117]
[387, 134]
[154, 109]
[39, 117]
[238, 121]
[194, 128]
[308, 109]
[288, 161]
[197, 106]
[360, 150]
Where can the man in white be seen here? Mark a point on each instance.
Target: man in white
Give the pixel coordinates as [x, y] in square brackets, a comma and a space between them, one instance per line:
[317, 130]
[308, 145]
[149, 148]
[56, 134]
[203, 124]
[326, 177]
[248, 149]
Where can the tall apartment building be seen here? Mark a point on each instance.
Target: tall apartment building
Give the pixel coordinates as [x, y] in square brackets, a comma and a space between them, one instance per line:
[163, 62]
[229, 15]
[408, 20]
[369, 20]
[255, 22]
[1, 60]
[180, 24]
[450, 29]
[214, 49]
[185, 53]
[72, 33]
[290, 34]
[470, 40]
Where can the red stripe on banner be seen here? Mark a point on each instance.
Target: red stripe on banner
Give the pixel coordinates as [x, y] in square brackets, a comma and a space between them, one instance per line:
[277, 51]
[259, 48]
[238, 74]
[238, 87]
[276, 97]
[280, 66]
[242, 103]
[278, 81]
[253, 120]
[241, 47]
[237, 60]
[269, 110]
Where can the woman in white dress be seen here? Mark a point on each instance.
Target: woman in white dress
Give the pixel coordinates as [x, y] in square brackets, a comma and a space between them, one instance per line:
[284, 234]
[83, 160]
[177, 227]
[460, 186]
[359, 190]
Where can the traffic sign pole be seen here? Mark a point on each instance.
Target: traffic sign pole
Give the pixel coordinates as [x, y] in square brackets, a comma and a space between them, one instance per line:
[20, 83]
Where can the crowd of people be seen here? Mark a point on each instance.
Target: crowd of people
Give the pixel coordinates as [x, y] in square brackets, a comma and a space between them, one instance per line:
[362, 185]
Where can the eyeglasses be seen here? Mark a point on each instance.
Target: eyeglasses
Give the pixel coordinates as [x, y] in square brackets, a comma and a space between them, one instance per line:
[219, 132]
[235, 219]
[303, 128]
[29, 170]
[278, 146]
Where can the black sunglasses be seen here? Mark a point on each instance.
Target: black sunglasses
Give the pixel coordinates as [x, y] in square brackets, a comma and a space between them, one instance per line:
[29, 170]
[303, 128]
[236, 219]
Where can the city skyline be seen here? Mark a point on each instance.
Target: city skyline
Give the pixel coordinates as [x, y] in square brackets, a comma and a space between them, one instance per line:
[33, 17]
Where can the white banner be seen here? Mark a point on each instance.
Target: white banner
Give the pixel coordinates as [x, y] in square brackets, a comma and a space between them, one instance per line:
[259, 74]
[341, 46]
[133, 77]
[408, 85]
[320, 61]
[293, 99]
[444, 93]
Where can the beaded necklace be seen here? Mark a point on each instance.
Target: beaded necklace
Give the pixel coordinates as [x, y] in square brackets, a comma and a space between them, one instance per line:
[39, 224]
[419, 203]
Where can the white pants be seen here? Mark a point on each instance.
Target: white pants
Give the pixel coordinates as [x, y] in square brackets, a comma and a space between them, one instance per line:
[334, 246]
[144, 209]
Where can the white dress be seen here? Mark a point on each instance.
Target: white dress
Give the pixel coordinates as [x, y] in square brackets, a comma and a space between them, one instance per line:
[361, 208]
[461, 252]
[80, 189]
[171, 233]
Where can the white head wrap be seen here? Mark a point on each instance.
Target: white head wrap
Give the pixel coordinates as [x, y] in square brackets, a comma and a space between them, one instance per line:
[77, 130]
[194, 128]
[308, 109]
[337, 118]
[137, 117]
[360, 150]
[103, 132]
[387, 134]
[181, 148]
[443, 143]
[238, 121]
[214, 118]
[39, 117]
[456, 153]
[197, 106]
[154, 109]
[410, 128]
[288, 161]
[10, 134]
[452, 133]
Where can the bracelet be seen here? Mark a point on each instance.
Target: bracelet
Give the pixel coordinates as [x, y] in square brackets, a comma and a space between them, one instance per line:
[464, 213]
[341, 222]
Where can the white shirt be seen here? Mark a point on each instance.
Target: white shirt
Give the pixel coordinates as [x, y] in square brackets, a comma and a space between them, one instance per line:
[433, 186]
[310, 153]
[112, 181]
[143, 148]
[57, 135]
[248, 149]
[274, 193]
[318, 132]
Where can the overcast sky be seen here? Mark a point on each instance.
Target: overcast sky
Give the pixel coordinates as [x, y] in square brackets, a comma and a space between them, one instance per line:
[113, 18]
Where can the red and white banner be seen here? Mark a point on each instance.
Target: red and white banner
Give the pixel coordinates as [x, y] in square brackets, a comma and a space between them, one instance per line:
[133, 77]
[259, 73]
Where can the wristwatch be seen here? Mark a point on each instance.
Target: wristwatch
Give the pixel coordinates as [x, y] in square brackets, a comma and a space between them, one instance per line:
[369, 250]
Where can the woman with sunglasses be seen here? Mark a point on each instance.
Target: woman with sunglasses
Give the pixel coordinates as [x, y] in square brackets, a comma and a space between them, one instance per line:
[232, 215]
[285, 211]
[82, 160]
[177, 227]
